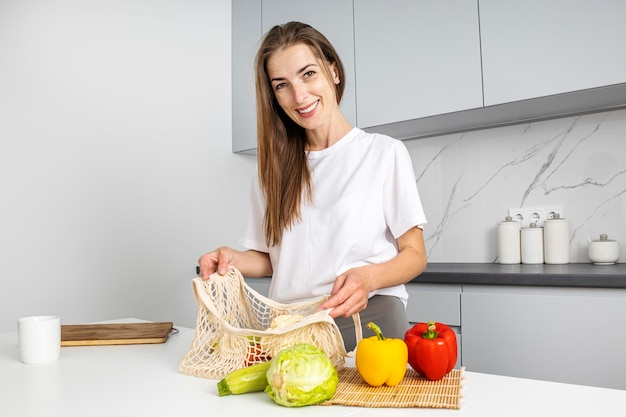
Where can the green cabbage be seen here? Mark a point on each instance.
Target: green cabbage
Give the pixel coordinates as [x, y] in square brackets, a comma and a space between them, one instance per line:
[301, 375]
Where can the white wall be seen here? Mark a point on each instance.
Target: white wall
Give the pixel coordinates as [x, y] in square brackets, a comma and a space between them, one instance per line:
[116, 171]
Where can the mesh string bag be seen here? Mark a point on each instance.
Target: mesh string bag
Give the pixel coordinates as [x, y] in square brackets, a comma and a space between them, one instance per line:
[233, 327]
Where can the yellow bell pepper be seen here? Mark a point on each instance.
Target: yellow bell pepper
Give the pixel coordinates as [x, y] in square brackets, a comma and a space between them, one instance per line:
[380, 360]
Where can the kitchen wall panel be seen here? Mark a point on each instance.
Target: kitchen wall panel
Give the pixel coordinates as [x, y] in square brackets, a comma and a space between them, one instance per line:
[468, 181]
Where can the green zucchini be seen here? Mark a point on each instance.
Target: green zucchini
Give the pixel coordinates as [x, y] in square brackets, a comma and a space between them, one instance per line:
[240, 381]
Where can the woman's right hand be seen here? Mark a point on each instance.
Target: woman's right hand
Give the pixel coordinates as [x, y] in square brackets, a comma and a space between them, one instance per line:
[250, 263]
[217, 261]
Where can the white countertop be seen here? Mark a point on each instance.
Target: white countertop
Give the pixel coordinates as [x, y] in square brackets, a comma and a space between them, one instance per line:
[144, 380]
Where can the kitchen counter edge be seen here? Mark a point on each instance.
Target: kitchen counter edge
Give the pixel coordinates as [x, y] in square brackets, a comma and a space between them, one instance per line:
[568, 275]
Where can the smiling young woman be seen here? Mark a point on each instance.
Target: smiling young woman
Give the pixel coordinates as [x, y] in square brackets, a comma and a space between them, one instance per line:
[334, 209]
[294, 60]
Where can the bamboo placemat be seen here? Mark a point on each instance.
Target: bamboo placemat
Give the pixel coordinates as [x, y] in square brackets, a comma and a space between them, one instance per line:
[414, 391]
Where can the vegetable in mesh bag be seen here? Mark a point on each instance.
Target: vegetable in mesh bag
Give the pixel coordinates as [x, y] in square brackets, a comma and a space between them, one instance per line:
[285, 320]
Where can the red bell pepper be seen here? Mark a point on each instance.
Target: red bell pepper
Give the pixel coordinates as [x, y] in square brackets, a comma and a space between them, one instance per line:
[432, 349]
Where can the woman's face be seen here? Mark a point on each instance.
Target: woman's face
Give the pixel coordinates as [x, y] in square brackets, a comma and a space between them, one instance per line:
[301, 86]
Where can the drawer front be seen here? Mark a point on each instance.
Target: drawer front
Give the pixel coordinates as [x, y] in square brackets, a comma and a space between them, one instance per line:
[428, 305]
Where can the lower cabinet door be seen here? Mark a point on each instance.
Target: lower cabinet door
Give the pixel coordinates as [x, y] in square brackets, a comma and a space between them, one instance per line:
[570, 335]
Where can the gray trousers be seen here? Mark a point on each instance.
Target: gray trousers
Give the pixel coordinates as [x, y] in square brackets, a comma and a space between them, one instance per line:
[386, 311]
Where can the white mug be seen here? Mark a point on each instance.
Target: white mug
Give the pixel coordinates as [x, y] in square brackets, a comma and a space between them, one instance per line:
[39, 338]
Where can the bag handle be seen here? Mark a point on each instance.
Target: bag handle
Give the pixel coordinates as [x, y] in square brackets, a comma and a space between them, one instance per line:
[358, 332]
[357, 327]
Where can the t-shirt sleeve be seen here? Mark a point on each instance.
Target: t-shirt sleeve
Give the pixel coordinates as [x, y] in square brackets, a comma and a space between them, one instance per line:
[254, 237]
[403, 207]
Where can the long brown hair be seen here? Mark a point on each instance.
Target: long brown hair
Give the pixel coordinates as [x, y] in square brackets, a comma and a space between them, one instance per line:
[283, 172]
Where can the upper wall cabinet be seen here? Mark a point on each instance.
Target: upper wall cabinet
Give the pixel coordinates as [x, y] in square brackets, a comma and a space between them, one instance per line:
[251, 20]
[246, 30]
[423, 68]
[415, 59]
[538, 48]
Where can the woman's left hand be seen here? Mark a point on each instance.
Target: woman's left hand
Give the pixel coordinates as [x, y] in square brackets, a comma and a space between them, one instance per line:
[351, 289]
[350, 293]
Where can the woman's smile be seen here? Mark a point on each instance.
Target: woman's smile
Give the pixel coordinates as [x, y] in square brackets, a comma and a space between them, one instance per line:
[308, 111]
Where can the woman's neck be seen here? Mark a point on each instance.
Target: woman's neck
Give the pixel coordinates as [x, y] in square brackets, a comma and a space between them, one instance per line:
[324, 137]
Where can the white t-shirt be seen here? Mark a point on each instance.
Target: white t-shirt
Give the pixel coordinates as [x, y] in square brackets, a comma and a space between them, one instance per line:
[364, 197]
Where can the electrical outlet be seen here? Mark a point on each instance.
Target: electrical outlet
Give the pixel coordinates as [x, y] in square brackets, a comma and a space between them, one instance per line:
[538, 215]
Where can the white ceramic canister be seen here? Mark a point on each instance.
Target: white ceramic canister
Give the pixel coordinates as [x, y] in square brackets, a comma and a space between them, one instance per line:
[603, 251]
[508, 235]
[556, 247]
[532, 244]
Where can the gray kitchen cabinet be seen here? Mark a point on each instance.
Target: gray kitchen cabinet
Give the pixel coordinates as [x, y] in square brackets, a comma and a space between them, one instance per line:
[418, 69]
[260, 285]
[246, 32]
[434, 302]
[251, 20]
[571, 335]
[538, 48]
[415, 59]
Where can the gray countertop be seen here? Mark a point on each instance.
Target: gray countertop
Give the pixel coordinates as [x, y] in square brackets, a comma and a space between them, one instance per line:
[569, 275]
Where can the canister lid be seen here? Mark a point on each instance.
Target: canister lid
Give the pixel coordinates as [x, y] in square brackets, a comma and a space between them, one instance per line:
[604, 238]
[533, 228]
[556, 217]
[509, 220]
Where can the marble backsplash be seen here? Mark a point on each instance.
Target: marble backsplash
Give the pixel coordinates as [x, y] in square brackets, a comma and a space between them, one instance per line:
[468, 181]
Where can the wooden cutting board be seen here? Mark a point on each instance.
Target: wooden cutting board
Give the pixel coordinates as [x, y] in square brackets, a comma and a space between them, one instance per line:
[115, 333]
